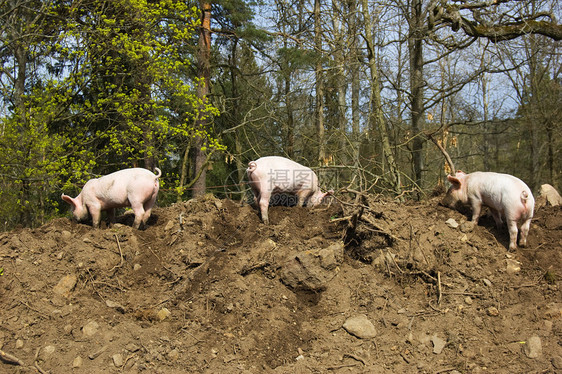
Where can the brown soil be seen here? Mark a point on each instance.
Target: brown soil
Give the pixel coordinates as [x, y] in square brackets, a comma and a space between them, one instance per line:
[76, 299]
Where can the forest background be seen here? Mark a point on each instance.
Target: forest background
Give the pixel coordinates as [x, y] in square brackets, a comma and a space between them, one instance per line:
[368, 93]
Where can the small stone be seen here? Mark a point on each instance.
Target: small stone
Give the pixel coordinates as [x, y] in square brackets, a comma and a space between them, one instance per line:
[556, 362]
[97, 353]
[492, 311]
[452, 223]
[131, 347]
[117, 360]
[467, 226]
[46, 351]
[174, 354]
[77, 362]
[468, 300]
[487, 282]
[533, 347]
[90, 328]
[512, 266]
[163, 314]
[66, 234]
[438, 344]
[553, 310]
[169, 225]
[19, 343]
[65, 285]
[137, 267]
[116, 306]
[547, 326]
[300, 357]
[360, 326]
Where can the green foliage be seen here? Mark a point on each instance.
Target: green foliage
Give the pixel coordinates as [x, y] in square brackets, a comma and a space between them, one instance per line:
[114, 89]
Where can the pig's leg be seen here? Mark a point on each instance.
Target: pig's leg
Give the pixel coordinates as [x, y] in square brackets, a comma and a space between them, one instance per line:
[95, 212]
[264, 205]
[111, 215]
[148, 209]
[524, 232]
[476, 208]
[138, 209]
[146, 216]
[302, 195]
[497, 217]
[512, 226]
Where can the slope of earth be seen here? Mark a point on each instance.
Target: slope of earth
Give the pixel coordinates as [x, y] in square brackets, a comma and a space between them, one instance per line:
[207, 288]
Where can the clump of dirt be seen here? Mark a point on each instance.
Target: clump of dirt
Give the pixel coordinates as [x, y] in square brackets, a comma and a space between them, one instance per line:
[208, 288]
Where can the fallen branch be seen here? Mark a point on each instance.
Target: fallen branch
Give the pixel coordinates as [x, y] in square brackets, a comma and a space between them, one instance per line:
[120, 252]
[10, 359]
[439, 287]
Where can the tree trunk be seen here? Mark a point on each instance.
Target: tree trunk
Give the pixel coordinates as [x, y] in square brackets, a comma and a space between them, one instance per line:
[290, 122]
[183, 172]
[355, 83]
[485, 125]
[236, 115]
[204, 73]
[415, 46]
[376, 115]
[319, 117]
[340, 81]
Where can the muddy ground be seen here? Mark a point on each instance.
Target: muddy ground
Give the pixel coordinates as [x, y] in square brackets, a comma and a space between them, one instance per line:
[207, 288]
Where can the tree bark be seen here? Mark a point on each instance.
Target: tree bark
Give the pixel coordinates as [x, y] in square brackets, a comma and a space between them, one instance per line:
[204, 73]
[319, 117]
[376, 115]
[355, 83]
[415, 46]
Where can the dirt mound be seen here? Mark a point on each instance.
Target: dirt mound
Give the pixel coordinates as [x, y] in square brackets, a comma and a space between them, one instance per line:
[208, 288]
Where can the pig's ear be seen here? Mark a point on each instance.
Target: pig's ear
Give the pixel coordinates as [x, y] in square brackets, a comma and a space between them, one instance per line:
[454, 180]
[68, 199]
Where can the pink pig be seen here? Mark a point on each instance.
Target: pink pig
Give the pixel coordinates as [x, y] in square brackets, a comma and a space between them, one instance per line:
[274, 175]
[505, 195]
[136, 187]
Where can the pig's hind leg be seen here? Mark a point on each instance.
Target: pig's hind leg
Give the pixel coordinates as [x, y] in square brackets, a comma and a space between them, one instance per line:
[524, 232]
[148, 208]
[497, 217]
[512, 226]
[264, 206]
[138, 209]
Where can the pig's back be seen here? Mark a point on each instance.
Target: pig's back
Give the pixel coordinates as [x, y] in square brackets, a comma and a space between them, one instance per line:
[499, 188]
[279, 163]
[117, 187]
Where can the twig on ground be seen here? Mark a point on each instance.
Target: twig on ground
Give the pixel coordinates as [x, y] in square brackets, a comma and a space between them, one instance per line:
[355, 357]
[439, 287]
[120, 252]
[10, 359]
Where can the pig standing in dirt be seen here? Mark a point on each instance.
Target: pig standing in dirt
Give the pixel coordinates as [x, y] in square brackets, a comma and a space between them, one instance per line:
[505, 195]
[274, 175]
[136, 187]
